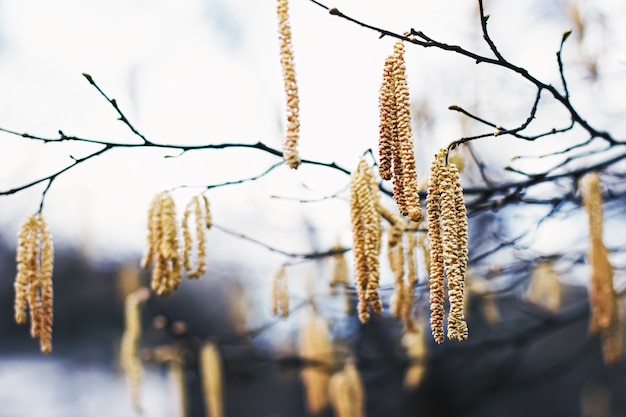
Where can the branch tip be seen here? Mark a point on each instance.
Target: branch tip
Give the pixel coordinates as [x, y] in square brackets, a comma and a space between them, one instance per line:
[88, 77]
[454, 107]
[566, 35]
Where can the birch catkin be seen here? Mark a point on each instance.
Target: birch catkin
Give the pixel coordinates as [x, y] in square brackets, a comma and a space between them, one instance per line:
[129, 360]
[436, 276]
[315, 346]
[448, 235]
[33, 281]
[366, 233]
[162, 251]
[202, 216]
[212, 384]
[290, 146]
[280, 293]
[396, 149]
[605, 318]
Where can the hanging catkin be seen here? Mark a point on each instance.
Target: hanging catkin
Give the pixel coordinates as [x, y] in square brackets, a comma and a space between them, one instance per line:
[315, 346]
[162, 251]
[280, 293]
[290, 146]
[33, 281]
[212, 384]
[366, 233]
[129, 360]
[436, 276]
[396, 149]
[199, 209]
[448, 235]
[605, 318]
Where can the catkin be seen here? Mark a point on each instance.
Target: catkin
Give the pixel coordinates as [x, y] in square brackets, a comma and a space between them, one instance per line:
[366, 232]
[315, 346]
[212, 384]
[605, 318]
[436, 276]
[396, 149]
[280, 293]
[416, 348]
[290, 146]
[601, 292]
[129, 359]
[33, 281]
[544, 289]
[346, 392]
[202, 217]
[162, 249]
[340, 268]
[448, 235]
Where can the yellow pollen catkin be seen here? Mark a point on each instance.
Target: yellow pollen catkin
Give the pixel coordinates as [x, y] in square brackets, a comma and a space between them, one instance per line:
[339, 276]
[396, 149]
[416, 348]
[202, 219]
[315, 346]
[290, 146]
[366, 232]
[346, 392]
[436, 275]
[129, 359]
[280, 293]
[605, 318]
[33, 281]
[162, 251]
[544, 289]
[448, 235]
[212, 384]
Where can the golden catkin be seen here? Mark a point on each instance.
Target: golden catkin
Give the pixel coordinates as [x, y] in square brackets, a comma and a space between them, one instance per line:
[346, 392]
[290, 146]
[436, 275]
[26, 266]
[340, 268]
[212, 384]
[454, 238]
[162, 249]
[405, 136]
[388, 121]
[601, 292]
[416, 348]
[129, 359]
[544, 289]
[339, 395]
[176, 377]
[366, 232]
[202, 219]
[33, 281]
[408, 290]
[280, 293]
[395, 254]
[47, 264]
[448, 235]
[315, 346]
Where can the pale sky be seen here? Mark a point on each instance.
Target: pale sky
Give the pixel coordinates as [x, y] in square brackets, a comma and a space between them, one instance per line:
[207, 72]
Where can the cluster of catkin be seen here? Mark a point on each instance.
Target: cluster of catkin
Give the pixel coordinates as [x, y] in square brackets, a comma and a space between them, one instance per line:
[315, 346]
[163, 243]
[347, 395]
[129, 359]
[397, 158]
[290, 146]
[447, 232]
[605, 318]
[366, 236]
[33, 281]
